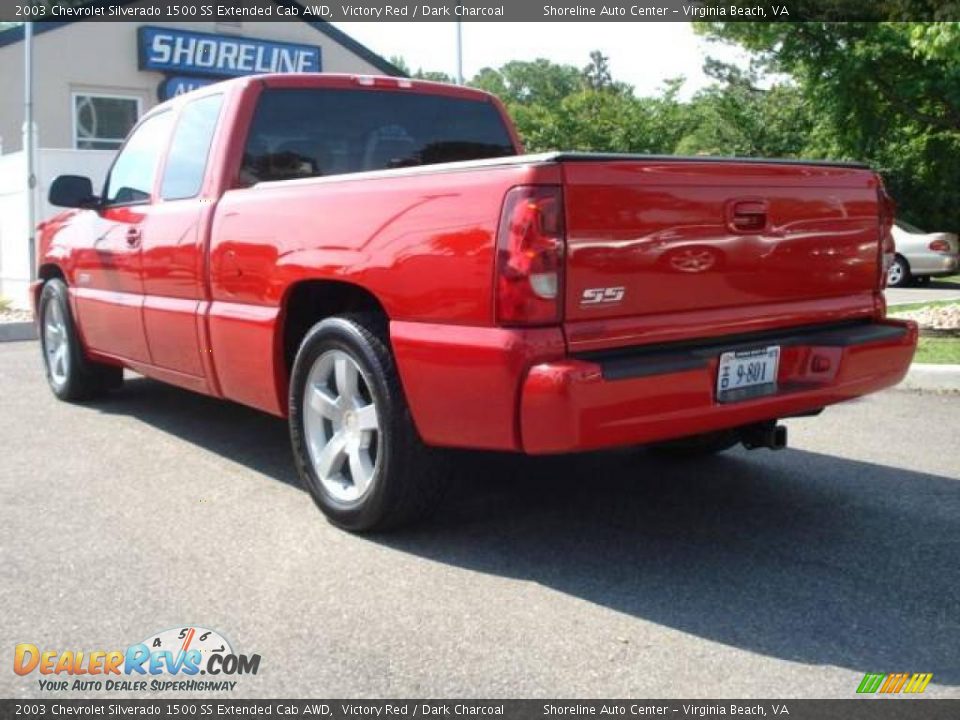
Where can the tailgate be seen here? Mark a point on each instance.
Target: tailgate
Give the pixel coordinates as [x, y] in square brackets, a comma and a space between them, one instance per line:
[670, 249]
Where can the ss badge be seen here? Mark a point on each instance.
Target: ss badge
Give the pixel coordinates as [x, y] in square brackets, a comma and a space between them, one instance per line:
[597, 296]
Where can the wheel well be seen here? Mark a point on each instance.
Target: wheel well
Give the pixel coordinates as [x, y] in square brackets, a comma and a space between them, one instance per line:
[47, 272]
[310, 301]
[905, 261]
[50, 271]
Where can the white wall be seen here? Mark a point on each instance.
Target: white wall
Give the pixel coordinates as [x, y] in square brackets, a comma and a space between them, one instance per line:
[13, 228]
[14, 237]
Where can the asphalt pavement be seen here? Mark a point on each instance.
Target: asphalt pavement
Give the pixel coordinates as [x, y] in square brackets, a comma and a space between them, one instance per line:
[751, 575]
[934, 291]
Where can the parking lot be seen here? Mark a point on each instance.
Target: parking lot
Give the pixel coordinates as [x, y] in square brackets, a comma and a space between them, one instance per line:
[935, 291]
[758, 574]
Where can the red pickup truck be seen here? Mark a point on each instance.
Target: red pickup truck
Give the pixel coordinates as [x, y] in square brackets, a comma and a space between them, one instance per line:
[376, 261]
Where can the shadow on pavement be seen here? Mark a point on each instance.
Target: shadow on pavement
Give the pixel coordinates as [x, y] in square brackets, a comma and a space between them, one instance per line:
[796, 555]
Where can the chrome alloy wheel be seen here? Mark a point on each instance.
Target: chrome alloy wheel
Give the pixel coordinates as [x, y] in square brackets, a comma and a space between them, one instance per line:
[56, 343]
[341, 426]
[895, 274]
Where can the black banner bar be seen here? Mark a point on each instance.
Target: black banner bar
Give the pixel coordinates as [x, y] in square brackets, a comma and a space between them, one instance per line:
[875, 708]
[479, 10]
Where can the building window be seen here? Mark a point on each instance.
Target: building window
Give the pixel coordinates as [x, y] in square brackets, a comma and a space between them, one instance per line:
[101, 122]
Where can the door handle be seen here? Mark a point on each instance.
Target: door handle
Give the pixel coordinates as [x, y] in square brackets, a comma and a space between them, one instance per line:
[133, 237]
[748, 216]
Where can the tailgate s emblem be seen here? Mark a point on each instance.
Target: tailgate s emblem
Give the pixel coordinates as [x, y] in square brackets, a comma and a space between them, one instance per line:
[596, 296]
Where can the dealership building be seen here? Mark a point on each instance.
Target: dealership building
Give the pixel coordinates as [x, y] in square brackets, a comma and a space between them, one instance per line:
[92, 80]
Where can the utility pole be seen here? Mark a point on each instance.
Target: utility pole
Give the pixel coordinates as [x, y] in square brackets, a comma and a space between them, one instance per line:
[459, 53]
[29, 141]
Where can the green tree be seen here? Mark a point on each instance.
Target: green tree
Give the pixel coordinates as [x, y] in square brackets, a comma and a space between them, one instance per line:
[538, 82]
[561, 107]
[737, 117]
[596, 75]
[420, 73]
[936, 40]
[399, 62]
[887, 93]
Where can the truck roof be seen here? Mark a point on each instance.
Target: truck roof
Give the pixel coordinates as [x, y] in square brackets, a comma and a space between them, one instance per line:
[334, 80]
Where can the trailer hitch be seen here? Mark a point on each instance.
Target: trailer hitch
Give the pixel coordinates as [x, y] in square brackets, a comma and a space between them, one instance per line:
[764, 435]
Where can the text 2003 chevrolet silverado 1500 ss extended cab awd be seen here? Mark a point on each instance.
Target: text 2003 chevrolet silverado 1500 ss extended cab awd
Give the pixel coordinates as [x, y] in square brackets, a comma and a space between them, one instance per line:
[373, 259]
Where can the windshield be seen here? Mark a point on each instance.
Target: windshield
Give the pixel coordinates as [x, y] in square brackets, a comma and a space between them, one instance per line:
[320, 132]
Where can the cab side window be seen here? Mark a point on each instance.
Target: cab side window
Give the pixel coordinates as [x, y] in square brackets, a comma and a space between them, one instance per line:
[187, 159]
[131, 177]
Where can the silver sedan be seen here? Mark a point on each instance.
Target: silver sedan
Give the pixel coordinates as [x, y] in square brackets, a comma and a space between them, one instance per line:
[922, 255]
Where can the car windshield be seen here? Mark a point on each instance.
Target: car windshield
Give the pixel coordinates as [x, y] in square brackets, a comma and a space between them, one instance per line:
[903, 225]
[320, 132]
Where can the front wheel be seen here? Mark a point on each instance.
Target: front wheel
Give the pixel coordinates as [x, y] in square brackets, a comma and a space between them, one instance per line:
[353, 438]
[71, 376]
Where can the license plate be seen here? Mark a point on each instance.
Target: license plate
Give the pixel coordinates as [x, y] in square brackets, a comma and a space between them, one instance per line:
[745, 374]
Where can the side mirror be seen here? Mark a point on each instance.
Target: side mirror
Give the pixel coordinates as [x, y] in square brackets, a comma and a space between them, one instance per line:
[73, 191]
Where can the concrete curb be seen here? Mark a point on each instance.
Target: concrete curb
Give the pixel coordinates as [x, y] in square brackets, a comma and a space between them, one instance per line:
[17, 331]
[939, 378]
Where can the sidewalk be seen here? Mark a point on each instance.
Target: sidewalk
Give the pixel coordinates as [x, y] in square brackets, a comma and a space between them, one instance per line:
[16, 331]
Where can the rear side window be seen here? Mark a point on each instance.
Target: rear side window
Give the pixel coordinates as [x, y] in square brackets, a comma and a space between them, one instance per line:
[187, 159]
[133, 172]
[319, 132]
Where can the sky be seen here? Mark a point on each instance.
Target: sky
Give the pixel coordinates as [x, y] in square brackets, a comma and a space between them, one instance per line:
[643, 54]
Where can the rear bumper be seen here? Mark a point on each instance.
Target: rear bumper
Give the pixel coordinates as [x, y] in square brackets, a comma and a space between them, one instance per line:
[629, 398]
[936, 264]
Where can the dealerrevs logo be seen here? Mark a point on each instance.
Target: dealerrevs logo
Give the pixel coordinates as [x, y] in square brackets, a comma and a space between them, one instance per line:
[170, 660]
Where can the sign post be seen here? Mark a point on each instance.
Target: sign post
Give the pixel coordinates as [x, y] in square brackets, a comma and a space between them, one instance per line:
[29, 141]
[459, 53]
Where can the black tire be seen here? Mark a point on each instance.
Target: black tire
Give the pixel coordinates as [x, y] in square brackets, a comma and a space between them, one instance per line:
[903, 276]
[697, 445]
[407, 479]
[77, 378]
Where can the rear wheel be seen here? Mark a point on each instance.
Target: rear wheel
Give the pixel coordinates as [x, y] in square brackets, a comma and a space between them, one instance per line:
[70, 375]
[899, 273]
[697, 445]
[353, 438]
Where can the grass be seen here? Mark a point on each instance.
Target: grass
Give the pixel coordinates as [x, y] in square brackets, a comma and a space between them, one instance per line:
[954, 279]
[938, 351]
[934, 350]
[5, 303]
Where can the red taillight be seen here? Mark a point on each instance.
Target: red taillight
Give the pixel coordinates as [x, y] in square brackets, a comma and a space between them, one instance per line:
[939, 246]
[887, 207]
[530, 256]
